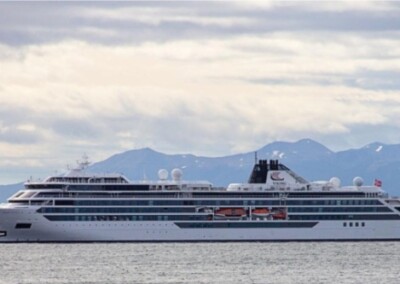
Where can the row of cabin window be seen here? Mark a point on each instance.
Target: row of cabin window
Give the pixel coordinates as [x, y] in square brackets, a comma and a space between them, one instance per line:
[128, 218]
[193, 209]
[117, 210]
[346, 217]
[207, 217]
[338, 209]
[218, 202]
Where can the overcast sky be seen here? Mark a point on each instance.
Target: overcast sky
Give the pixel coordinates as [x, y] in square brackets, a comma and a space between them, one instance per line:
[208, 78]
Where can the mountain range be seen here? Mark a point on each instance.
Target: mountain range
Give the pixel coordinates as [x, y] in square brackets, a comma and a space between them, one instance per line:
[306, 157]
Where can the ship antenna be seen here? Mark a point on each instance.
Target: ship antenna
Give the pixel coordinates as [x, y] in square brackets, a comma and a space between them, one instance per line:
[255, 157]
[84, 163]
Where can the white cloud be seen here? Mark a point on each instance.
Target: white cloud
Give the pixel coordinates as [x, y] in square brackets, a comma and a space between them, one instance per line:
[332, 6]
[205, 95]
[157, 15]
[106, 91]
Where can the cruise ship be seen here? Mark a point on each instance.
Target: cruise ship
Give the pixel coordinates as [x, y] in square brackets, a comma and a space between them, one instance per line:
[275, 204]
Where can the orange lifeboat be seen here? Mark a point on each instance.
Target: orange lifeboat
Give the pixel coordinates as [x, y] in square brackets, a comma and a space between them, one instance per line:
[230, 212]
[279, 215]
[262, 212]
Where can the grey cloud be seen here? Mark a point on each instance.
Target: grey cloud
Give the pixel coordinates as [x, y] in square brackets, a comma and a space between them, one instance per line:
[18, 136]
[387, 80]
[180, 127]
[27, 23]
[10, 119]
[374, 80]
[12, 115]
[76, 128]
[302, 81]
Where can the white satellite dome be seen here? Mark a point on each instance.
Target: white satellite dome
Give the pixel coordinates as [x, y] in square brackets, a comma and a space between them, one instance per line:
[335, 181]
[163, 174]
[358, 181]
[176, 174]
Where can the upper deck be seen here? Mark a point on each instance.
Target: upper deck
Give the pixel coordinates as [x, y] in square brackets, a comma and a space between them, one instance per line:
[267, 180]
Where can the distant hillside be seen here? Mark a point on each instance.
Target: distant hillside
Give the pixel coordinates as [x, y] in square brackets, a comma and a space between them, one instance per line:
[308, 158]
[7, 190]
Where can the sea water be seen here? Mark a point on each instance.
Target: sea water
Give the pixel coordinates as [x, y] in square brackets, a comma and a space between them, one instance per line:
[292, 262]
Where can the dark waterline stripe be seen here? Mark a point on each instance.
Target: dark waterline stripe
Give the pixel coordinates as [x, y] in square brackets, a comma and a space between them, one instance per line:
[219, 225]
[207, 241]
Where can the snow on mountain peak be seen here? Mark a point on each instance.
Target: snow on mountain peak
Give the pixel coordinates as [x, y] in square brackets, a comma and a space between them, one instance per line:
[277, 154]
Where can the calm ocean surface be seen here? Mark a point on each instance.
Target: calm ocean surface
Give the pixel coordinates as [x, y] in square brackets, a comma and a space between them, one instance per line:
[360, 262]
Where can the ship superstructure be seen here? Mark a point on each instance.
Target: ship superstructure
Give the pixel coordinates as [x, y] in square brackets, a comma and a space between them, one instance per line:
[274, 205]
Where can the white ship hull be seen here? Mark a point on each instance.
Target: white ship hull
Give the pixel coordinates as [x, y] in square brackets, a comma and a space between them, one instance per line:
[43, 230]
[276, 205]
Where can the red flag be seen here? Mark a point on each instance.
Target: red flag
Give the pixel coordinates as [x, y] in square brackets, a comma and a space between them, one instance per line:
[378, 183]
